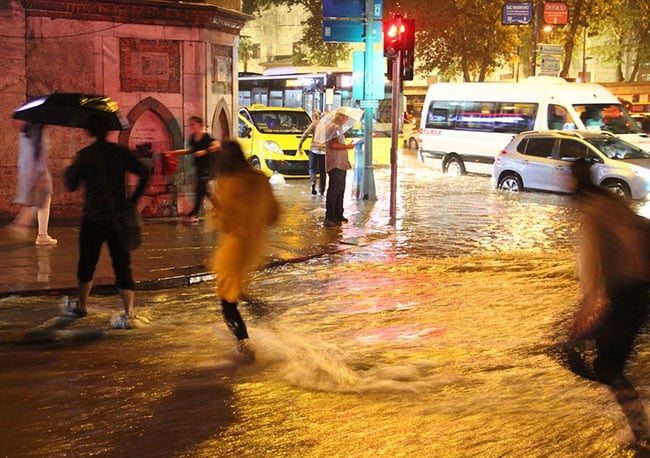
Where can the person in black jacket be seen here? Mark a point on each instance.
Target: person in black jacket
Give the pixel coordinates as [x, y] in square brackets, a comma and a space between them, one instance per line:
[201, 146]
[102, 168]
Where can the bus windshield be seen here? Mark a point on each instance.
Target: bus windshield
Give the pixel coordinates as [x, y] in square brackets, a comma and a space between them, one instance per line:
[610, 117]
[280, 122]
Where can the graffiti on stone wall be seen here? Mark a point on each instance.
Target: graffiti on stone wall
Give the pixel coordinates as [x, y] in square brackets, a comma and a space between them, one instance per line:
[149, 138]
[150, 65]
[221, 69]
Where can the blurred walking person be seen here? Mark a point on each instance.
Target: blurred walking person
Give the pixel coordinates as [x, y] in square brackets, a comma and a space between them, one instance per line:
[101, 168]
[201, 146]
[614, 266]
[34, 183]
[244, 207]
[316, 157]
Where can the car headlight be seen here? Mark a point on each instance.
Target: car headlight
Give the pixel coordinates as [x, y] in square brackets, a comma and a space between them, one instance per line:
[273, 147]
[641, 172]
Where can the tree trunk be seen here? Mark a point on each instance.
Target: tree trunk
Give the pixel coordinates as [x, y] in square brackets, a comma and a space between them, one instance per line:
[571, 37]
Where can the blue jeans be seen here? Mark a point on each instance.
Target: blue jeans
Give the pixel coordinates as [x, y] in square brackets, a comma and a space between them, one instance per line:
[317, 167]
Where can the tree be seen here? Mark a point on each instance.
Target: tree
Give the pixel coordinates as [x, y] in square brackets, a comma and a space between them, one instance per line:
[463, 36]
[313, 49]
[245, 51]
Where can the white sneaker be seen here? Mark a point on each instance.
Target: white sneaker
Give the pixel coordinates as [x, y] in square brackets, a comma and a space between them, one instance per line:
[121, 322]
[45, 240]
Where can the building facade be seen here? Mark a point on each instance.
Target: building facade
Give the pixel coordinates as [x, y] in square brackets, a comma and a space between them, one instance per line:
[161, 60]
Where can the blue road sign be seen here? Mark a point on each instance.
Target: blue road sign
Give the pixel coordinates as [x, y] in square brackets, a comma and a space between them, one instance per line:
[348, 31]
[360, 88]
[354, 9]
[515, 13]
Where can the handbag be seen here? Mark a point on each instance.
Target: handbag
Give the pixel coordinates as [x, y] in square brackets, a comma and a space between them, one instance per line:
[127, 225]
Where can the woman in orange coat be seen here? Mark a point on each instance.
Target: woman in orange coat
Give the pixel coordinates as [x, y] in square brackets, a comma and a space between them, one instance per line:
[244, 207]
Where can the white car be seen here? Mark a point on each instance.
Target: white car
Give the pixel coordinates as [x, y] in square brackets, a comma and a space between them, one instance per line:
[541, 160]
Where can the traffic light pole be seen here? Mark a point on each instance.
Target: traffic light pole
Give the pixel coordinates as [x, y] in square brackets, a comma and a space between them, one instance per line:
[368, 191]
[395, 121]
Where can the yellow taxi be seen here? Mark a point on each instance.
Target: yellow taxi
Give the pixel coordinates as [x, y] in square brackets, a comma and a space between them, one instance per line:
[269, 137]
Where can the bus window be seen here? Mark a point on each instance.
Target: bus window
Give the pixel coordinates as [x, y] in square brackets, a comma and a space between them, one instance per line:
[559, 118]
[610, 117]
[506, 117]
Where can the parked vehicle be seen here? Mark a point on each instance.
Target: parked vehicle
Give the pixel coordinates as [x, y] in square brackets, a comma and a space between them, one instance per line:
[541, 160]
[269, 137]
[464, 123]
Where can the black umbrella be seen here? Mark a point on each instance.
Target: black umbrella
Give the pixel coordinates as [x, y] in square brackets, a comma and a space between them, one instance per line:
[71, 110]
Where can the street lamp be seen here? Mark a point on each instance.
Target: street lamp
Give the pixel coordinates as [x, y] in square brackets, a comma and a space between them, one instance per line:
[584, 55]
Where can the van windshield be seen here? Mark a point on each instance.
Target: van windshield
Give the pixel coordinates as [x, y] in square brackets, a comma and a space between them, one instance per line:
[610, 117]
[281, 122]
[615, 148]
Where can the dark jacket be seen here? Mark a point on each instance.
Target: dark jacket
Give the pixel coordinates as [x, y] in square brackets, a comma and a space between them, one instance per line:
[102, 168]
[203, 163]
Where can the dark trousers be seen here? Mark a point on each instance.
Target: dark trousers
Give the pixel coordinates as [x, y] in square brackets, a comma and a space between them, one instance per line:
[615, 338]
[201, 193]
[92, 236]
[317, 167]
[335, 195]
[233, 319]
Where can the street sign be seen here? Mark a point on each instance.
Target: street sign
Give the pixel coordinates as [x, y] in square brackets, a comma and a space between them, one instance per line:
[369, 103]
[359, 90]
[556, 13]
[514, 13]
[348, 31]
[353, 9]
[549, 66]
[556, 50]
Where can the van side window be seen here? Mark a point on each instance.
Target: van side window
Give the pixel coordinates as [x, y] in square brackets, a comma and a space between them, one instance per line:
[559, 118]
[571, 150]
[505, 117]
[539, 147]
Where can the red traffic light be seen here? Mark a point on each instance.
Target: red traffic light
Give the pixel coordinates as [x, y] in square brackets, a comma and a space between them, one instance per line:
[398, 35]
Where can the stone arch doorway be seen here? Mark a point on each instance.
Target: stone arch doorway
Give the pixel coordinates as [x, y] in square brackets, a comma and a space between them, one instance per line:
[154, 129]
[221, 122]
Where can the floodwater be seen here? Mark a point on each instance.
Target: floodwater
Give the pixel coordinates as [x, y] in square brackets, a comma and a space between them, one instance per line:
[435, 338]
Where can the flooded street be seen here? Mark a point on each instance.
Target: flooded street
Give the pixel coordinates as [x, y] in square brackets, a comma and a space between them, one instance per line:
[435, 338]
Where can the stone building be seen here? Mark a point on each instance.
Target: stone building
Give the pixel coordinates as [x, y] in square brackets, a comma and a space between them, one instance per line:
[161, 60]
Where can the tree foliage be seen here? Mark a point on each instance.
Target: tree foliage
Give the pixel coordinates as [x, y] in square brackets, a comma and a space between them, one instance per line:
[461, 36]
[313, 49]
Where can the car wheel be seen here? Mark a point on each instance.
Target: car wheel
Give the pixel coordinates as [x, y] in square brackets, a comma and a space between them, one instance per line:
[618, 187]
[511, 183]
[413, 143]
[255, 162]
[455, 167]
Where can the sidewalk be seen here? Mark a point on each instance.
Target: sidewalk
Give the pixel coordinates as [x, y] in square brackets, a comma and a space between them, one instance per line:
[174, 253]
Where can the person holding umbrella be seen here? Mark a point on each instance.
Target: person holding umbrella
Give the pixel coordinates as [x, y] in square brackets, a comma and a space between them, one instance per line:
[330, 132]
[34, 183]
[102, 168]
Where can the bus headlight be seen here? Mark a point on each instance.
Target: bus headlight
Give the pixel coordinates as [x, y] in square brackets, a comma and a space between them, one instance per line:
[273, 147]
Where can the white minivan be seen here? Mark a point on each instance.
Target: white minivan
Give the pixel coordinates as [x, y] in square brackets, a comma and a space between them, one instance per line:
[464, 125]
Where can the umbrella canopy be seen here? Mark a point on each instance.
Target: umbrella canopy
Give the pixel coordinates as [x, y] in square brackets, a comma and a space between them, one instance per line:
[324, 130]
[71, 110]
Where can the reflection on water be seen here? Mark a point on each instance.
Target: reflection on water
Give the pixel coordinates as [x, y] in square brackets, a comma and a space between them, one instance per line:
[433, 338]
[415, 357]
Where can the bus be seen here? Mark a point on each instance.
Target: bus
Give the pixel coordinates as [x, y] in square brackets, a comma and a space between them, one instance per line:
[465, 125]
[316, 89]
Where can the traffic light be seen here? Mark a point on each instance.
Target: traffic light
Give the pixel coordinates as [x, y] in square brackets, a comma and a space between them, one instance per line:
[394, 29]
[399, 37]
